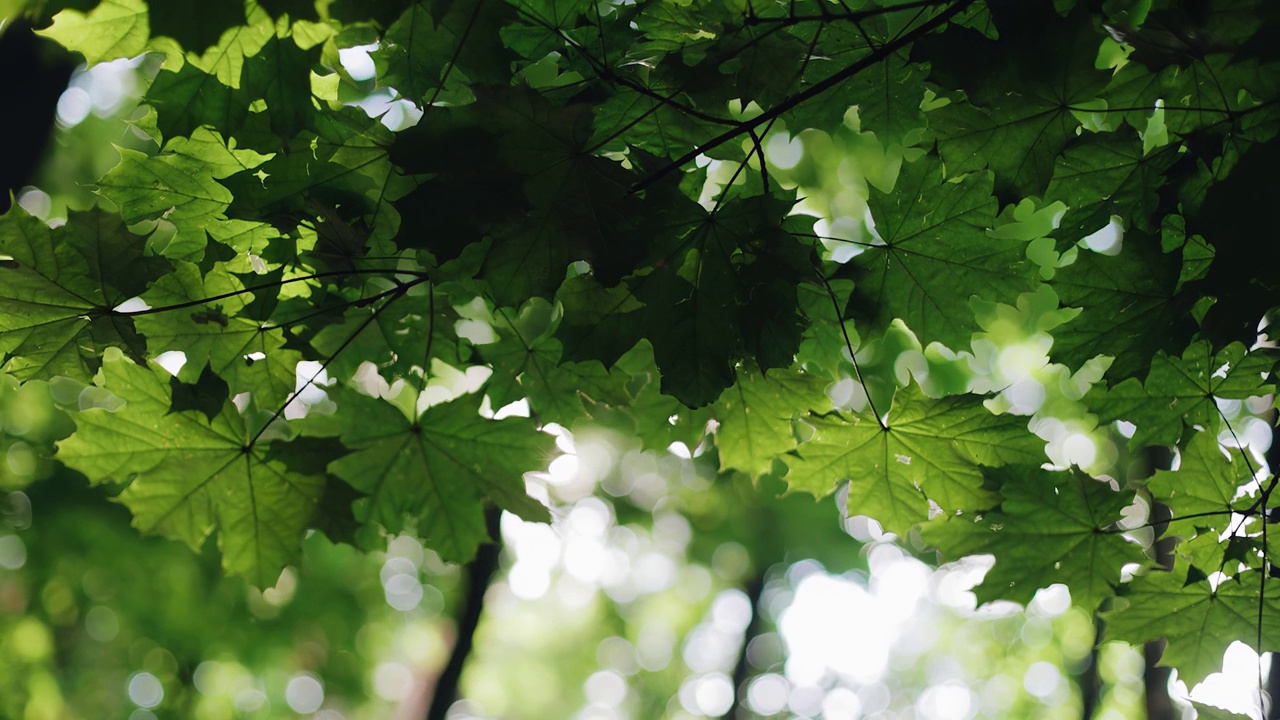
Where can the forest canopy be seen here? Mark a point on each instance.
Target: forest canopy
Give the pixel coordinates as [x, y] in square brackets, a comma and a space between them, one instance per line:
[280, 310]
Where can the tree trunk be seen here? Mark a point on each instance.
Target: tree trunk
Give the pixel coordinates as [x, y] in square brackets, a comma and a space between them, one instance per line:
[1155, 678]
[754, 588]
[479, 572]
[1090, 686]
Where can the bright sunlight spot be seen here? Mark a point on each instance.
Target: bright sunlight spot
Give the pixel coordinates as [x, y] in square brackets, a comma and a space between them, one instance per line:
[1108, 240]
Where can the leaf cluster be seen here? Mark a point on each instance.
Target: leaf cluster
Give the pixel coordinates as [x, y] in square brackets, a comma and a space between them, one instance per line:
[349, 302]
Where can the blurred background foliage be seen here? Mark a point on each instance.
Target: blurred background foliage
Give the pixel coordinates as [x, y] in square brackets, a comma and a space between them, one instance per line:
[635, 603]
[659, 587]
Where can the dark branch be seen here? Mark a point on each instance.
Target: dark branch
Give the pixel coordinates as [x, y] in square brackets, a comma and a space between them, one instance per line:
[746, 126]
[266, 286]
[825, 16]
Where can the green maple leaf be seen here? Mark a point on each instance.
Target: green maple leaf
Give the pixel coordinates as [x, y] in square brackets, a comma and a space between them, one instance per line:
[1021, 117]
[280, 74]
[695, 346]
[935, 255]
[189, 98]
[1198, 621]
[422, 53]
[757, 413]
[206, 146]
[1193, 93]
[726, 284]
[247, 353]
[599, 322]
[527, 361]
[188, 477]
[168, 187]
[433, 472]
[580, 207]
[1130, 307]
[340, 161]
[632, 118]
[226, 59]
[927, 450]
[656, 418]
[1206, 481]
[888, 97]
[1197, 253]
[397, 324]
[752, 63]
[1181, 391]
[1050, 528]
[1101, 176]
[113, 29]
[59, 288]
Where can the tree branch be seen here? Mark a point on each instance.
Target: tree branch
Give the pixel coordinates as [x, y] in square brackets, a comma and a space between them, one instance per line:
[746, 126]
[825, 16]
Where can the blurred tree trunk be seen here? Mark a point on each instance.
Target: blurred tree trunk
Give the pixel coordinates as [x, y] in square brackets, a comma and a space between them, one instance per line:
[1155, 678]
[1273, 675]
[37, 71]
[1090, 685]
[1273, 687]
[742, 670]
[480, 572]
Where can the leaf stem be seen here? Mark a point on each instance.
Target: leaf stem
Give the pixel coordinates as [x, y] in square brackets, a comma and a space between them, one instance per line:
[394, 292]
[857, 371]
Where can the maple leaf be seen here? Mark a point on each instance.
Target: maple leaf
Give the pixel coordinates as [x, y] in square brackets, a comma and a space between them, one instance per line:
[1019, 114]
[113, 29]
[167, 187]
[1049, 528]
[757, 413]
[926, 450]
[247, 353]
[59, 289]
[935, 255]
[1105, 176]
[1198, 620]
[1180, 392]
[1205, 483]
[1132, 296]
[528, 362]
[187, 477]
[431, 472]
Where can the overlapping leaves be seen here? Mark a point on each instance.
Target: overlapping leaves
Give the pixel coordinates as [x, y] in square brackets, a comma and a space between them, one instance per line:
[549, 219]
[59, 289]
[1050, 528]
[431, 471]
[1181, 392]
[188, 477]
